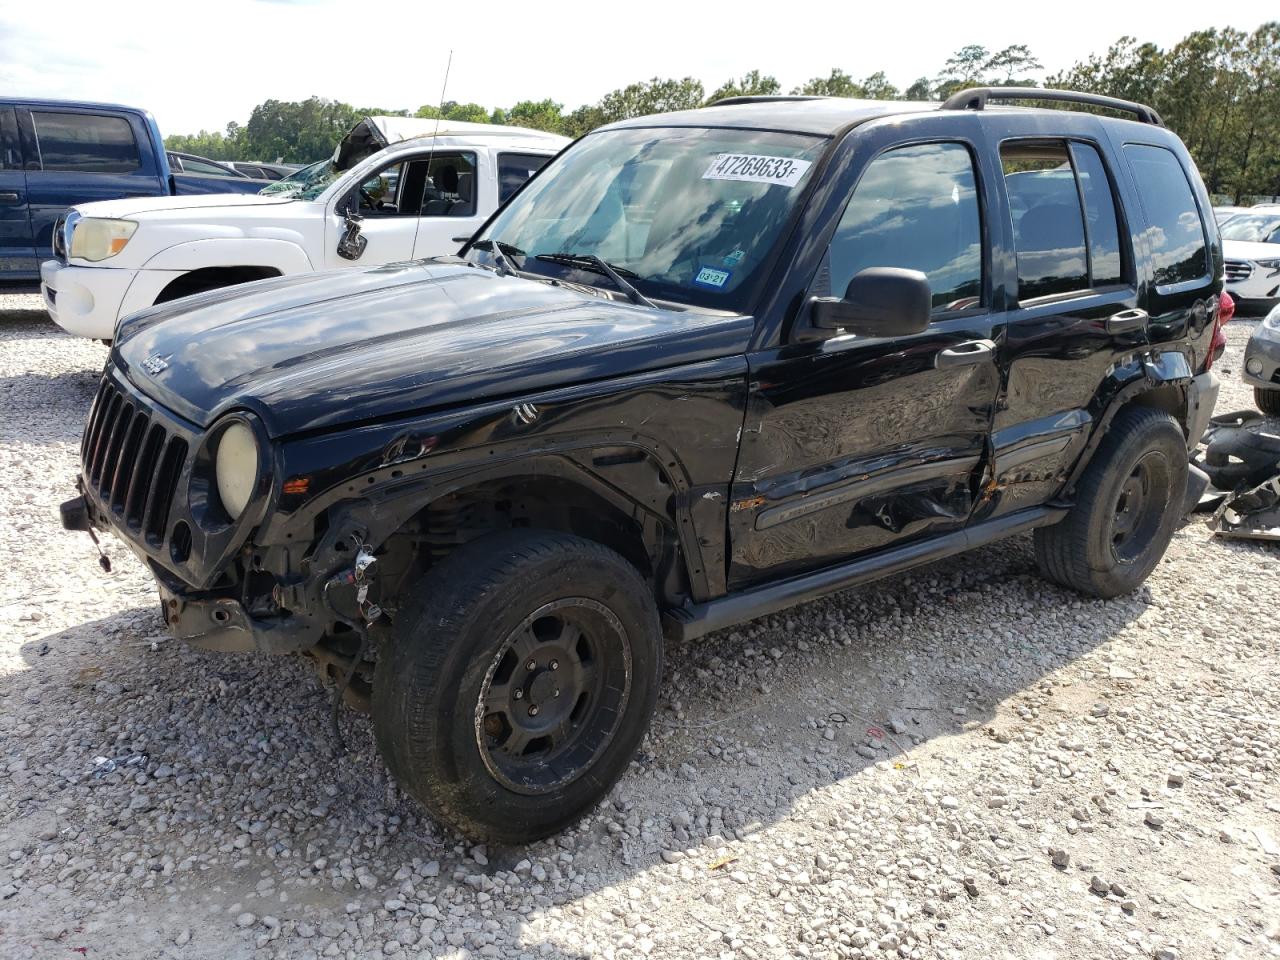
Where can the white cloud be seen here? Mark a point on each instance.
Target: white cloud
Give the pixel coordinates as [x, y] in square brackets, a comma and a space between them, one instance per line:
[200, 67]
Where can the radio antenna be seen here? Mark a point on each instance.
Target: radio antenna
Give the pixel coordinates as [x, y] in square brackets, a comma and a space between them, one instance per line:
[431, 152]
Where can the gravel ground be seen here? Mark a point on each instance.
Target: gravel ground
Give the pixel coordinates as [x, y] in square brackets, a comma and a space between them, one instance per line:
[960, 763]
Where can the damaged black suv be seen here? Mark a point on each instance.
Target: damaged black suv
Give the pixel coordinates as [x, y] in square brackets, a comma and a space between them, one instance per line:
[702, 366]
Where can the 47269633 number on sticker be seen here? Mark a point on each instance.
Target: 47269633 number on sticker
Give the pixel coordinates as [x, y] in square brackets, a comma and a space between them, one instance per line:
[756, 168]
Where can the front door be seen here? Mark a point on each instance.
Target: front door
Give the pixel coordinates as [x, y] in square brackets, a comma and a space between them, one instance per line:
[855, 444]
[17, 252]
[410, 208]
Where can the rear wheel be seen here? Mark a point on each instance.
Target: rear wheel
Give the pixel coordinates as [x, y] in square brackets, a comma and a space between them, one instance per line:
[519, 684]
[1268, 400]
[1127, 505]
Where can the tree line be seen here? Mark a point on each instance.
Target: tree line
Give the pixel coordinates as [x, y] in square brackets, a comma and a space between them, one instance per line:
[1218, 89]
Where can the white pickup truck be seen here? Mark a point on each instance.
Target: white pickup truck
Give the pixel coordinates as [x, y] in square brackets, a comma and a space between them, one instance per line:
[395, 189]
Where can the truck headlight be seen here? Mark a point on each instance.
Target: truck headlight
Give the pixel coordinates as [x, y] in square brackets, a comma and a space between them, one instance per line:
[235, 467]
[98, 238]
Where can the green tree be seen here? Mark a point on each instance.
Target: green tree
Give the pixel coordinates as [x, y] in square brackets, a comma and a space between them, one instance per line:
[838, 84]
[651, 96]
[922, 89]
[878, 87]
[1004, 66]
[535, 114]
[964, 68]
[754, 84]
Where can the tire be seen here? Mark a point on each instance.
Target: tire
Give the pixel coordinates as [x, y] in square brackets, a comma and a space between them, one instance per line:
[1128, 502]
[559, 735]
[1268, 400]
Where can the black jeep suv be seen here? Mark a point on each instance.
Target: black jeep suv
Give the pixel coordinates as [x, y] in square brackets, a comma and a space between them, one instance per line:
[702, 366]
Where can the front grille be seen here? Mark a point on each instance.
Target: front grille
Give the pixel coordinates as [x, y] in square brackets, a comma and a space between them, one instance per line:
[60, 239]
[1238, 270]
[130, 462]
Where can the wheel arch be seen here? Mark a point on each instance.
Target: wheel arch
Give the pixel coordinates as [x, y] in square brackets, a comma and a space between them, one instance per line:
[207, 264]
[621, 496]
[1157, 381]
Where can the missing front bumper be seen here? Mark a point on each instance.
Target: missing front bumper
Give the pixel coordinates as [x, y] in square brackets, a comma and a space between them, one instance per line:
[222, 624]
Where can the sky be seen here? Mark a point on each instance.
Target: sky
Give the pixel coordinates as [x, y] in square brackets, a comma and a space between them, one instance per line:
[200, 69]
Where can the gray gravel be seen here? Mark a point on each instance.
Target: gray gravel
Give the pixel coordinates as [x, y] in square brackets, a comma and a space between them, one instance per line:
[961, 763]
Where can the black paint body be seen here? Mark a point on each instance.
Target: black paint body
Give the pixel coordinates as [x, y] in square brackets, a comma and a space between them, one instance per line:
[748, 451]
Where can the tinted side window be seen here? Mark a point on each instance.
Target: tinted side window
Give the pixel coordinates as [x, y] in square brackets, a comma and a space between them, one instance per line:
[86, 143]
[1174, 233]
[915, 207]
[514, 169]
[10, 153]
[190, 165]
[1048, 229]
[1105, 261]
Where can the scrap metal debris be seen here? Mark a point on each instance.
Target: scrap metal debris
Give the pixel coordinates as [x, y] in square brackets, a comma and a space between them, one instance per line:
[1240, 452]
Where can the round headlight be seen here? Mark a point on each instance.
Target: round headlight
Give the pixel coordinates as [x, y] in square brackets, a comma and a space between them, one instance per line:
[236, 467]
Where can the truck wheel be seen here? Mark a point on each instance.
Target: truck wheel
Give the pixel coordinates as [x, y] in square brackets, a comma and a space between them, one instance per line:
[1127, 504]
[518, 683]
[1268, 400]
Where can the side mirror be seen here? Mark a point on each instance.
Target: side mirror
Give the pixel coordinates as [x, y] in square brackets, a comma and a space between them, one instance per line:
[879, 302]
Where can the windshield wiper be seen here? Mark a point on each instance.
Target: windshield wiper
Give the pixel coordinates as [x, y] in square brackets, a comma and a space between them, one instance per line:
[495, 247]
[591, 261]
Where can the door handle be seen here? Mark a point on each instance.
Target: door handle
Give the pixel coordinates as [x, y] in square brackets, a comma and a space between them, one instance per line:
[1127, 321]
[963, 354]
[8, 198]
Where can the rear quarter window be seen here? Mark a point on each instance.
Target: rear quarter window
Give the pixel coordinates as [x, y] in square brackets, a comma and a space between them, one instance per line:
[1175, 236]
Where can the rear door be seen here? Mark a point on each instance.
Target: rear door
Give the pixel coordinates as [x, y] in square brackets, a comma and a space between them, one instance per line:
[1073, 300]
[18, 261]
[458, 195]
[853, 445]
[80, 155]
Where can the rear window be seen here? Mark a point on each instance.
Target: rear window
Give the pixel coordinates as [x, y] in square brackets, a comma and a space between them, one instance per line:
[514, 169]
[1174, 233]
[85, 142]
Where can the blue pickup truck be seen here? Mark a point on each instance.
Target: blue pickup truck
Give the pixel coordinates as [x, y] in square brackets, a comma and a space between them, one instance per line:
[57, 153]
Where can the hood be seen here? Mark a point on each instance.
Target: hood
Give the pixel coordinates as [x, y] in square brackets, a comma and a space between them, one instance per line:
[315, 351]
[133, 206]
[1250, 250]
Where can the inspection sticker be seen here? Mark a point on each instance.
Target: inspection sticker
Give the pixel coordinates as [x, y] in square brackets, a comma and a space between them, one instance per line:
[753, 168]
[711, 277]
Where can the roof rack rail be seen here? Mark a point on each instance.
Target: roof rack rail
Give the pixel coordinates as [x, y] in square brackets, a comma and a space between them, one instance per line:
[774, 98]
[975, 98]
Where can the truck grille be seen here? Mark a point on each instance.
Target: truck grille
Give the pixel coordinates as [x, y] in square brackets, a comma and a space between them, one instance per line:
[1238, 270]
[131, 462]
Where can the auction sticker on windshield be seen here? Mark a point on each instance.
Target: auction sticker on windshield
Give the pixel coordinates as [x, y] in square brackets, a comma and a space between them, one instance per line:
[754, 168]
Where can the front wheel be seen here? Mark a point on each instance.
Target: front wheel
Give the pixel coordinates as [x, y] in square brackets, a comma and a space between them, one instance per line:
[1127, 505]
[1268, 400]
[519, 683]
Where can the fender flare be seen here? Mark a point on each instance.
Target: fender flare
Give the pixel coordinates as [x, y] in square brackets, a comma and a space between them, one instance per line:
[1142, 374]
[283, 255]
[376, 502]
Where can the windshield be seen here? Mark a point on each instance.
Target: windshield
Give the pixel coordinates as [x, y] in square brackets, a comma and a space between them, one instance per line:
[686, 215]
[305, 184]
[1259, 228]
